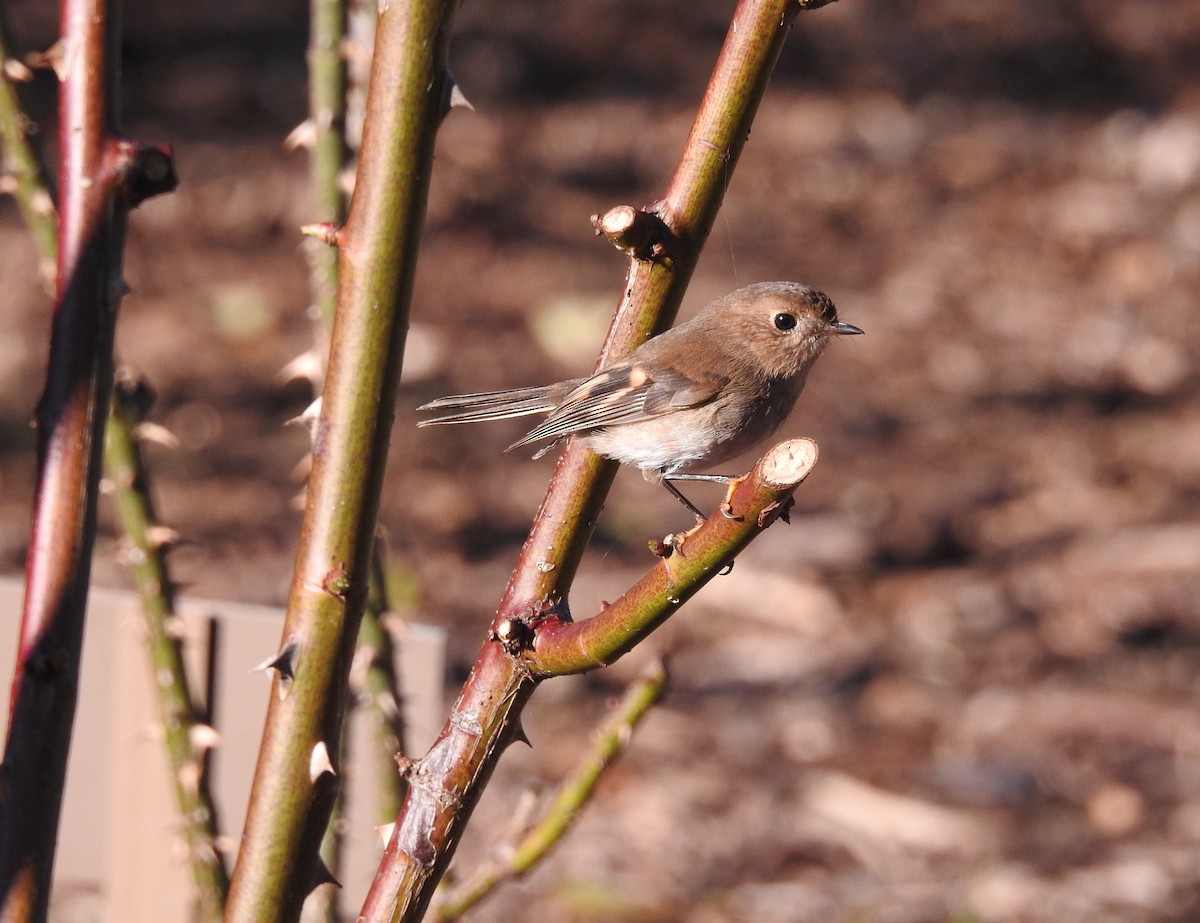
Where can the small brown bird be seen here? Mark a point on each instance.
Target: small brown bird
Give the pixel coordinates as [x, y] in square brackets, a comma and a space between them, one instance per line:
[692, 397]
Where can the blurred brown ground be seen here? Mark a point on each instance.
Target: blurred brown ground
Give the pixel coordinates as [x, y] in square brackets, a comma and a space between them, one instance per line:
[964, 681]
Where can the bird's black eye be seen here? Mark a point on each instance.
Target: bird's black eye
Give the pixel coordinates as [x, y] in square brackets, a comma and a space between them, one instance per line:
[784, 321]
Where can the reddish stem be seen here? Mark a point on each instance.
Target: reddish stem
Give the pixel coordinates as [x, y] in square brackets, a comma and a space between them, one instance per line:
[100, 177]
[446, 783]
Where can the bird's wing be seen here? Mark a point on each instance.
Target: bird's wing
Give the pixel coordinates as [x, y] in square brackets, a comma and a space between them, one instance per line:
[624, 393]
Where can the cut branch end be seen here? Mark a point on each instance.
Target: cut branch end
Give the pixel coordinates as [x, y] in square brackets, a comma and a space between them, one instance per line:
[788, 463]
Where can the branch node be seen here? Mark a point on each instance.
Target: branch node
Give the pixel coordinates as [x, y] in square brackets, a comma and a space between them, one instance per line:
[514, 635]
[147, 170]
[641, 234]
[337, 582]
[325, 231]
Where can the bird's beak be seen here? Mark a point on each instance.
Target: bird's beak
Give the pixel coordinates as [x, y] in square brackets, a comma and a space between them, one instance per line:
[840, 329]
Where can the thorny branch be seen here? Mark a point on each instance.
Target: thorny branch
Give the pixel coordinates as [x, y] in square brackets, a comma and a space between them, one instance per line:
[101, 177]
[446, 782]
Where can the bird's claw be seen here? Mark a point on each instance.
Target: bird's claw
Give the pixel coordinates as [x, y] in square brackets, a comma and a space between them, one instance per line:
[727, 504]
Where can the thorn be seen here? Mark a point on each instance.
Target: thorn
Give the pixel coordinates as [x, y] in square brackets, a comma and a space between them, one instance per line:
[206, 853]
[161, 536]
[310, 417]
[116, 289]
[309, 366]
[155, 433]
[54, 58]
[225, 843]
[387, 705]
[522, 818]
[174, 628]
[323, 876]
[203, 737]
[324, 231]
[190, 774]
[42, 203]
[385, 832]
[360, 664]
[47, 269]
[519, 735]
[302, 136]
[107, 486]
[458, 99]
[319, 762]
[16, 71]
[284, 663]
[452, 97]
[134, 392]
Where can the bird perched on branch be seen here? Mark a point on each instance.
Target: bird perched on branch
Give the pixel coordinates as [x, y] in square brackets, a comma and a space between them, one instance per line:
[692, 397]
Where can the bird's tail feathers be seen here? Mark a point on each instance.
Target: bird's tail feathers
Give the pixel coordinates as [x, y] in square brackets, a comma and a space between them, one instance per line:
[491, 405]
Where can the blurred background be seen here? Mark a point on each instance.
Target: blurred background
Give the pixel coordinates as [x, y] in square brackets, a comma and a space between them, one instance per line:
[962, 684]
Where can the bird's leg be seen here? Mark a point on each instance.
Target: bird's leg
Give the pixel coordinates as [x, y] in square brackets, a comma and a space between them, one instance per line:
[673, 542]
[726, 509]
[682, 499]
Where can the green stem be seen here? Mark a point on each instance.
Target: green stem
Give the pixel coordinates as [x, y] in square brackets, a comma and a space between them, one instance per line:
[291, 800]
[327, 155]
[381, 686]
[182, 722]
[24, 167]
[560, 646]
